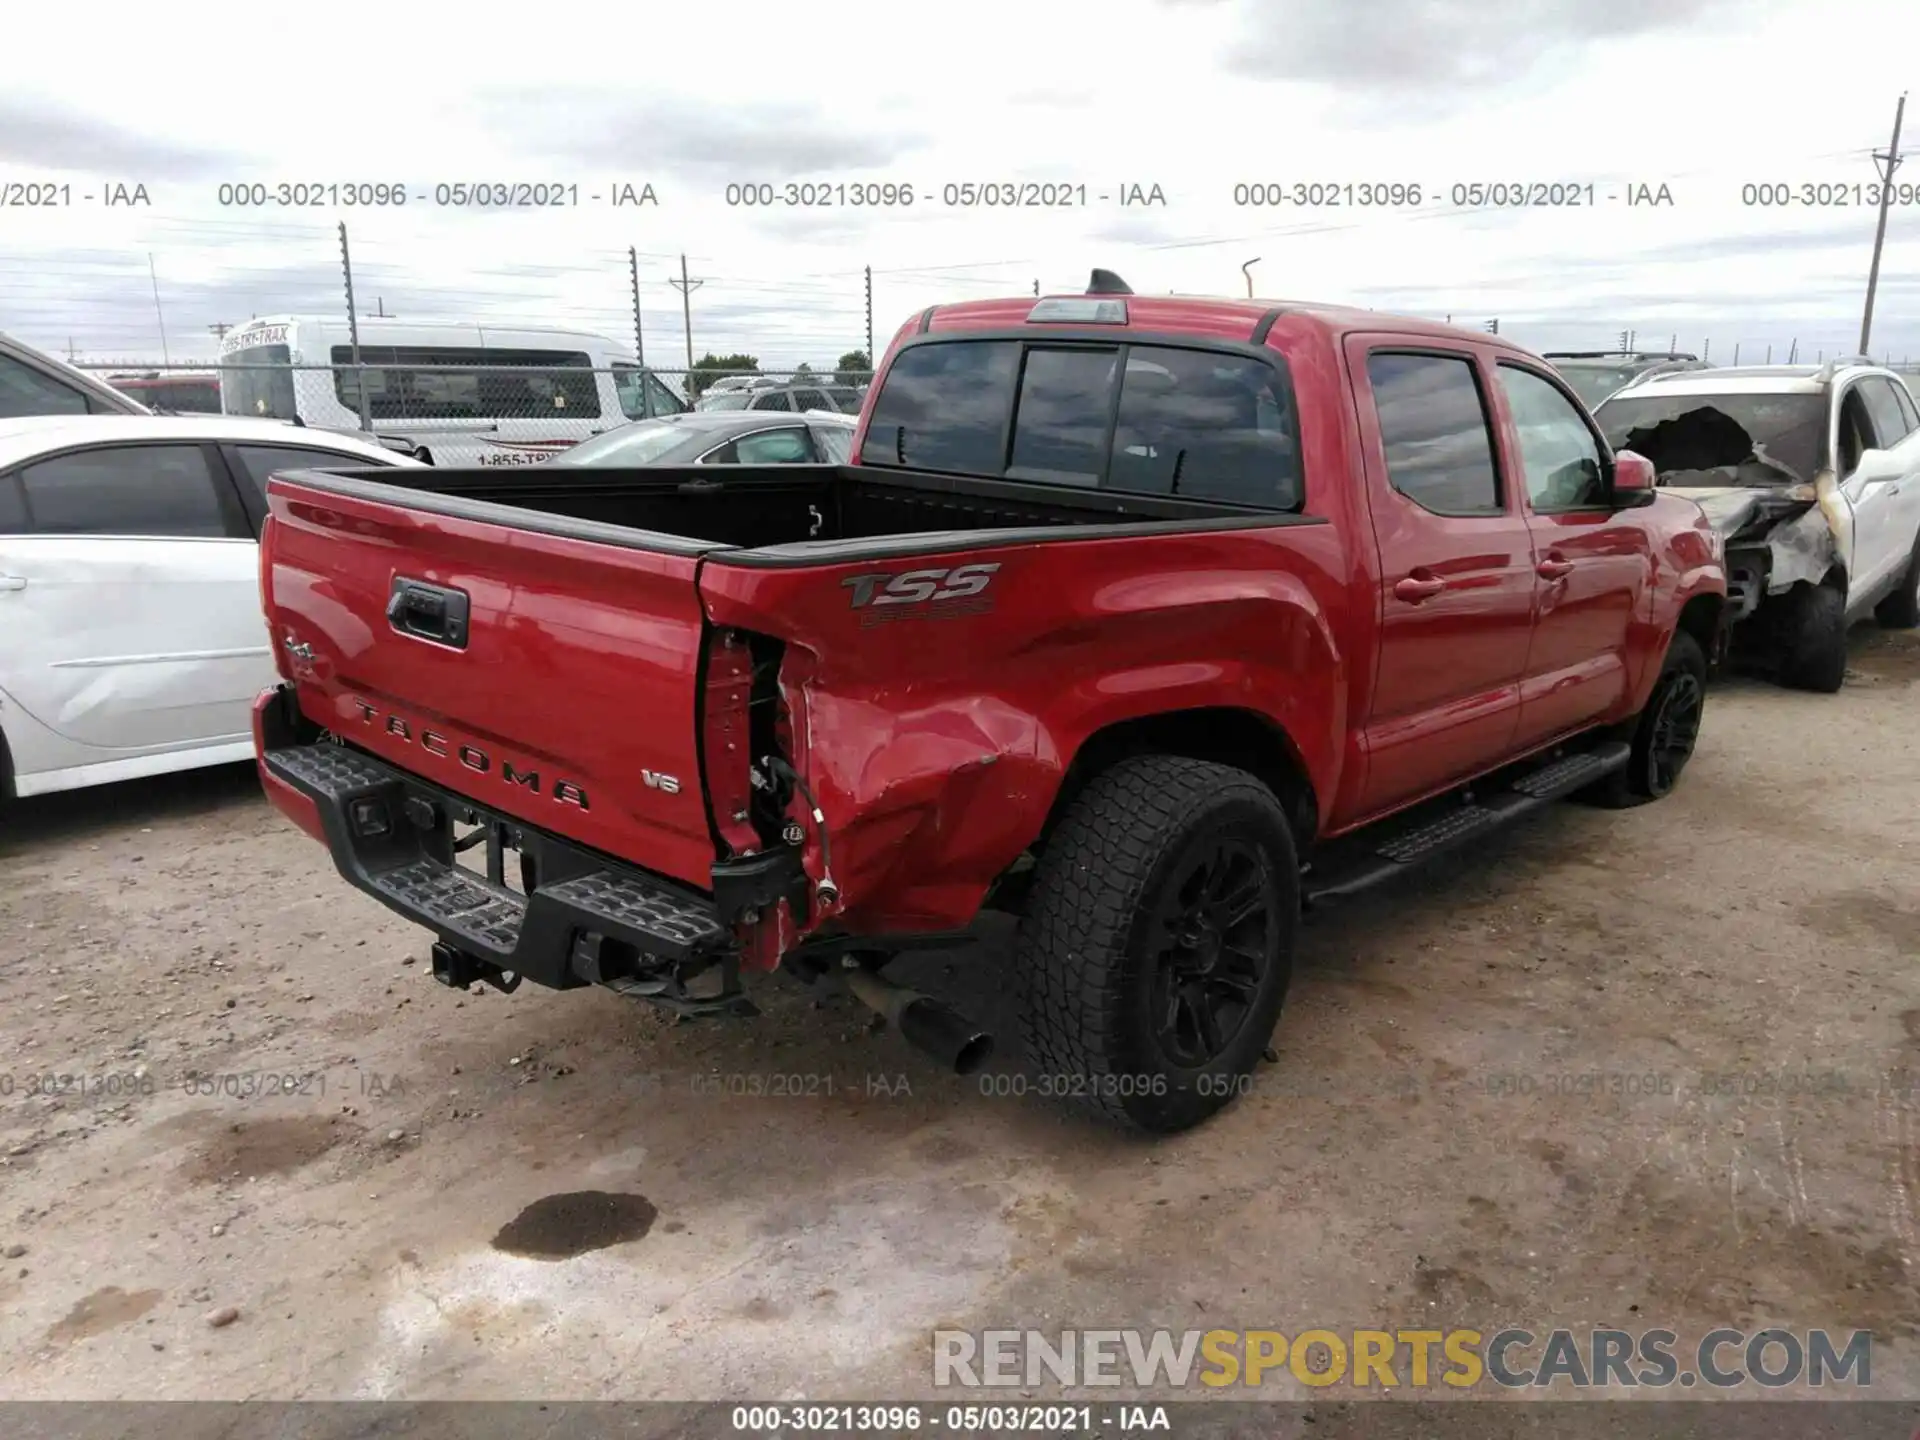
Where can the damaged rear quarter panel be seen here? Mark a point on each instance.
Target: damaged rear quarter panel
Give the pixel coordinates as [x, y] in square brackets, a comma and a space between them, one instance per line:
[936, 743]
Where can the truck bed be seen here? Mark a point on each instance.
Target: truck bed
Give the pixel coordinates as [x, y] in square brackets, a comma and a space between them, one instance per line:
[757, 507]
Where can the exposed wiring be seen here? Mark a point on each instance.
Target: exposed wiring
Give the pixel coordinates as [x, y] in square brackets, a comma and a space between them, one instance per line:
[828, 891]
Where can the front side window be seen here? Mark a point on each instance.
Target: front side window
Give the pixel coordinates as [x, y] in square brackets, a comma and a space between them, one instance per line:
[1889, 421]
[1562, 461]
[1435, 431]
[138, 490]
[1904, 399]
[25, 391]
[1856, 431]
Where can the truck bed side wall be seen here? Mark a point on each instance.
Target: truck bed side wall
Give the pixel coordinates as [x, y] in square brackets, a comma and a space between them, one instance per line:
[951, 736]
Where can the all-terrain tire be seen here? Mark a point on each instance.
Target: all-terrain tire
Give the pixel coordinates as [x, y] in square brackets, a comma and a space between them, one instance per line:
[1661, 737]
[1901, 609]
[1099, 985]
[1815, 640]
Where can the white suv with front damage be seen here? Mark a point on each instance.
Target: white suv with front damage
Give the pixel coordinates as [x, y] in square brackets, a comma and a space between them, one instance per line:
[1811, 475]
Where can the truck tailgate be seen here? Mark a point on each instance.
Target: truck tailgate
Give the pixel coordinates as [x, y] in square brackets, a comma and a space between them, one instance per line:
[564, 695]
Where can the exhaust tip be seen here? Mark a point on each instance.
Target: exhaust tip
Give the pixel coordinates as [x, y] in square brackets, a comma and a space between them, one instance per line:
[975, 1053]
[945, 1035]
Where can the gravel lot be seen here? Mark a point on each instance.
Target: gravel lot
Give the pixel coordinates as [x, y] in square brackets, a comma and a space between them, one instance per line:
[1733, 968]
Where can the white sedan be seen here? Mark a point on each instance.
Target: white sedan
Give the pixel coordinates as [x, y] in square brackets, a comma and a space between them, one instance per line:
[131, 636]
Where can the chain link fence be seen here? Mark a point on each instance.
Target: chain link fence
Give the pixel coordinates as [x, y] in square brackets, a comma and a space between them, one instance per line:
[486, 408]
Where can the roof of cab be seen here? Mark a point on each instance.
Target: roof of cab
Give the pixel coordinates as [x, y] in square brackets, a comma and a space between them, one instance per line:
[1211, 316]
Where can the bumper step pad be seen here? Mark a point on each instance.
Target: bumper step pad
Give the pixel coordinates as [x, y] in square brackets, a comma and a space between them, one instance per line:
[411, 870]
[1365, 862]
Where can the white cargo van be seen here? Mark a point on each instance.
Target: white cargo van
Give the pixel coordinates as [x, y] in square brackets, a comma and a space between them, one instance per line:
[459, 394]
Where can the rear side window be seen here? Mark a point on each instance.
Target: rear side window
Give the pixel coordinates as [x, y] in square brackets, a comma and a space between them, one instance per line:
[13, 509]
[775, 400]
[260, 461]
[1434, 428]
[1199, 424]
[124, 490]
[774, 447]
[834, 442]
[25, 391]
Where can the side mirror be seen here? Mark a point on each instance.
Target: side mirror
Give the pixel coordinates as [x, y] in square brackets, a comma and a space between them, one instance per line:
[1633, 476]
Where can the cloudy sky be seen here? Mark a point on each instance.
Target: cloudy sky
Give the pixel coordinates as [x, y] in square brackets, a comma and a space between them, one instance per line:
[1217, 103]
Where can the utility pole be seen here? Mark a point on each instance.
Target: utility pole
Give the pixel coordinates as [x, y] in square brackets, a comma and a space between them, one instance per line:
[869, 316]
[1892, 161]
[154, 276]
[219, 329]
[686, 288]
[1036, 285]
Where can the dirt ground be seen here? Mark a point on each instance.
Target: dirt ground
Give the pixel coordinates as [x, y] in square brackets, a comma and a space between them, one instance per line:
[274, 1109]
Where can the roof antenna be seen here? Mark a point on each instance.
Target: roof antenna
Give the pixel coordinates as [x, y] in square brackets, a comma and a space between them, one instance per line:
[1105, 282]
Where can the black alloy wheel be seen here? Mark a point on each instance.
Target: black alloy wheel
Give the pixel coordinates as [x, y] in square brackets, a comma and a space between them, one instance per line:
[1211, 941]
[1676, 726]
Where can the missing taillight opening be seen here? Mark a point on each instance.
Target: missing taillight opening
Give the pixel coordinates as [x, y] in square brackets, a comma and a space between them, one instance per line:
[743, 725]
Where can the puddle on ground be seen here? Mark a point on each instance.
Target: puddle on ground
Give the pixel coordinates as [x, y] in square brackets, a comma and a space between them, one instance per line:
[102, 1311]
[560, 1227]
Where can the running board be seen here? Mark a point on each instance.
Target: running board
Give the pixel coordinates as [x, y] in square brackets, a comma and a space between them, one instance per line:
[1495, 807]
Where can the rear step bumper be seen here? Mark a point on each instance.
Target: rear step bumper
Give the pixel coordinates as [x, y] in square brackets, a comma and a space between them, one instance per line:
[1495, 807]
[587, 920]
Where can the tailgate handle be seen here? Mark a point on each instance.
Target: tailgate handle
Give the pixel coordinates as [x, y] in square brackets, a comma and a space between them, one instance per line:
[431, 612]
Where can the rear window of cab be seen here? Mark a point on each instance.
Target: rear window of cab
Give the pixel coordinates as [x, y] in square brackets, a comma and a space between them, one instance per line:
[1140, 419]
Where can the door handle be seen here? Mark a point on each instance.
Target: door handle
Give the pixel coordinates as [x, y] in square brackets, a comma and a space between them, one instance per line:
[432, 612]
[13, 582]
[1554, 568]
[1417, 587]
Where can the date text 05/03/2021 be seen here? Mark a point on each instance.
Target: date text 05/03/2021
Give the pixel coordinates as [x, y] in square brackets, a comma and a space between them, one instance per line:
[908, 1419]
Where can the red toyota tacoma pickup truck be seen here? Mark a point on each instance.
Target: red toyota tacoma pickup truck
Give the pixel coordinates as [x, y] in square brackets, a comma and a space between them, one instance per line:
[1148, 619]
